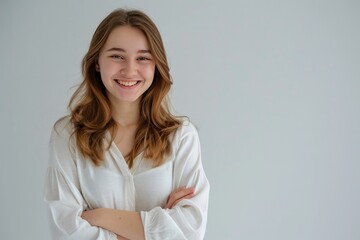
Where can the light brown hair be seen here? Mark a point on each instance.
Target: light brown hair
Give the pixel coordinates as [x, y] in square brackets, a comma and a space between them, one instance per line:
[90, 106]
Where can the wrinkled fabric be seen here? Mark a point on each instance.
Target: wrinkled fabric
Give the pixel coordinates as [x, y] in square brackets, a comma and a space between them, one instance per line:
[74, 184]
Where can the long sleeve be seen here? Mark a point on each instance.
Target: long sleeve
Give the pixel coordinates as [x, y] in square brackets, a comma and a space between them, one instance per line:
[62, 195]
[187, 220]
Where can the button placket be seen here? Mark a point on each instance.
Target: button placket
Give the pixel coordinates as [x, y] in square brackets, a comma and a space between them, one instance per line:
[130, 191]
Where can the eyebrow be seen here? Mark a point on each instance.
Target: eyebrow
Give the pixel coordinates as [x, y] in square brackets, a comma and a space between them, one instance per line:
[123, 50]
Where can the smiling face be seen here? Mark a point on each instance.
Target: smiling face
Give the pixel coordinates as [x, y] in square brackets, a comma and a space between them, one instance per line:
[126, 65]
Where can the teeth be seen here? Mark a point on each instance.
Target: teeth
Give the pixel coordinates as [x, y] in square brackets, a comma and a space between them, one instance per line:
[127, 83]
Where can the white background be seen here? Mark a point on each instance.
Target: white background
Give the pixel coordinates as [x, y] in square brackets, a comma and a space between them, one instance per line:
[273, 86]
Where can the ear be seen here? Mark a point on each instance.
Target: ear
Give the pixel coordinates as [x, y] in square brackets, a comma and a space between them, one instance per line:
[97, 67]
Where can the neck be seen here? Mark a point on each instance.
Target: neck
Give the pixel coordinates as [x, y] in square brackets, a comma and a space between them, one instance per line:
[126, 113]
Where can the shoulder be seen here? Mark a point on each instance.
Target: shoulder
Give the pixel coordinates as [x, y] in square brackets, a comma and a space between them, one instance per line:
[62, 147]
[186, 127]
[186, 146]
[186, 131]
[62, 130]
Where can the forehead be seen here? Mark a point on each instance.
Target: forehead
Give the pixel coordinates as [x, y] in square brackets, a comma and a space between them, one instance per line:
[128, 38]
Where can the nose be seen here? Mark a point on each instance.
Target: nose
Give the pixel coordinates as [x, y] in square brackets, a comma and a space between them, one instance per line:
[129, 69]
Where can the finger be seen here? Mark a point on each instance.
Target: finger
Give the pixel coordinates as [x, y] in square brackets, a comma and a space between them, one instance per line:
[178, 195]
[172, 194]
[185, 197]
[175, 201]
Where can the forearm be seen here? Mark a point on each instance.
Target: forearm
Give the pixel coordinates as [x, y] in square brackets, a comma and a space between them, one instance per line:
[124, 223]
[121, 238]
[128, 224]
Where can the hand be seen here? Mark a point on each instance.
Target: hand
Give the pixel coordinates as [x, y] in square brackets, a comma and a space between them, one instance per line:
[178, 195]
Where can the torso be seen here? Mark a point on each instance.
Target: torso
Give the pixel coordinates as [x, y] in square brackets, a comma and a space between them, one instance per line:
[114, 185]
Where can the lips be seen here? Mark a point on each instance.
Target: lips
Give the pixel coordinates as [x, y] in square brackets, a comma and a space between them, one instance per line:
[126, 83]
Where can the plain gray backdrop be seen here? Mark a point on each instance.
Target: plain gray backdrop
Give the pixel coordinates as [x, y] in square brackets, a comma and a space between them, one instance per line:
[273, 87]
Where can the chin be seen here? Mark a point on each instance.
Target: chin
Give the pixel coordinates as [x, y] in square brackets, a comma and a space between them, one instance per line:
[130, 100]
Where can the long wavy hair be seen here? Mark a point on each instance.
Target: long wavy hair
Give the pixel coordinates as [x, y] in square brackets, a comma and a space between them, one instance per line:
[91, 113]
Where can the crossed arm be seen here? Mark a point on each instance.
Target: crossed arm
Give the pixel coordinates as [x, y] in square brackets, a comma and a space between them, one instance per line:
[128, 224]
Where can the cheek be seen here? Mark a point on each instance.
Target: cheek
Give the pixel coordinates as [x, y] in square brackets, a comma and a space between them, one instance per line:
[149, 72]
[107, 70]
[104, 77]
[106, 67]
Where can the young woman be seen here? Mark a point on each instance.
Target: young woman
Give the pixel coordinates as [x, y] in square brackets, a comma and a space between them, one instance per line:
[121, 165]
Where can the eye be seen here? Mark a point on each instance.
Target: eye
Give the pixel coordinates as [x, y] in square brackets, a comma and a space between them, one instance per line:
[143, 58]
[117, 57]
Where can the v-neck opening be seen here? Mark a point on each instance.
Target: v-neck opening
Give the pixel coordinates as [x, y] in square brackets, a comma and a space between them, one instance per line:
[121, 159]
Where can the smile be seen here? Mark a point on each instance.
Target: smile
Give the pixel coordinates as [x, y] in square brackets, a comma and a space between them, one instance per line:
[126, 83]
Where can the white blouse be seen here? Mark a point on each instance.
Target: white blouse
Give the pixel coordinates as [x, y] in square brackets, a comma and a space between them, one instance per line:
[74, 184]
